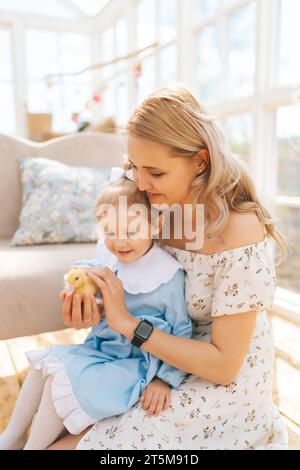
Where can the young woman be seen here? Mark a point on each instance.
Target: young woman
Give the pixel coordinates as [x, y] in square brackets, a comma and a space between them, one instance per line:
[179, 156]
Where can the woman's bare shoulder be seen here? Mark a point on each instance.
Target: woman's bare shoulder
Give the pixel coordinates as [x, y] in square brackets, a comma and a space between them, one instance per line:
[242, 229]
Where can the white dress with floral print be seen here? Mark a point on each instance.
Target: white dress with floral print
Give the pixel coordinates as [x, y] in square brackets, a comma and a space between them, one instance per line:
[204, 415]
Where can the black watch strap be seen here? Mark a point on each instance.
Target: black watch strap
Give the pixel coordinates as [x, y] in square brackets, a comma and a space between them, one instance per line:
[136, 341]
[142, 333]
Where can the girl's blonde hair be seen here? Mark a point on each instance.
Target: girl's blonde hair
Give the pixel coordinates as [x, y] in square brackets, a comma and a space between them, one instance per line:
[121, 187]
[174, 117]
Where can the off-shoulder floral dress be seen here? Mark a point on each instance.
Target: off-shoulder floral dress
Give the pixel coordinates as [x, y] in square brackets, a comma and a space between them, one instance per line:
[204, 415]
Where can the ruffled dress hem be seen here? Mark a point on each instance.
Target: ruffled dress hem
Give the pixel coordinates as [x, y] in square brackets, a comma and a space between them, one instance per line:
[65, 403]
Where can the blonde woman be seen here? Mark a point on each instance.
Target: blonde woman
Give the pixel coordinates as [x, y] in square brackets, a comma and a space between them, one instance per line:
[179, 156]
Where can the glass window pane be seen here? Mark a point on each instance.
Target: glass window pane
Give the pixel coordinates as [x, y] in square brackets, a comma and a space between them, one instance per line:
[288, 141]
[5, 55]
[209, 64]
[53, 8]
[122, 100]
[121, 41]
[289, 64]
[168, 65]
[75, 97]
[42, 53]
[239, 131]
[167, 20]
[145, 23]
[39, 96]
[241, 57]
[108, 102]
[146, 82]
[56, 104]
[289, 225]
[108, 52]
[7, 109]
[208, 8]
[75, 54]
[50, 52]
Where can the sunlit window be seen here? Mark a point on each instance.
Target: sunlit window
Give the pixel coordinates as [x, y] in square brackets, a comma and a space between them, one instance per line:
[121, 42]
[49, 52]
[239, 131]
[168, 20]
[168, 65]
[7, 108]
[289, 225]
[208, 8]
[145, 23]
[122, 100]
[108, 52]
[209, 64]
[241, 57]
[109, 102]
[288, 184]
[289, 66]
[53, 8]
[288, 135]
[146, 81]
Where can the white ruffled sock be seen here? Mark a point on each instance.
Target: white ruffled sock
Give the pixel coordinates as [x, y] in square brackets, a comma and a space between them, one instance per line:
[47, 426]
[14, 436]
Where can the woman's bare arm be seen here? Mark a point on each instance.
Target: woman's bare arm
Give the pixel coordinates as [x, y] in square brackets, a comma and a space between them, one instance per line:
[218, 361]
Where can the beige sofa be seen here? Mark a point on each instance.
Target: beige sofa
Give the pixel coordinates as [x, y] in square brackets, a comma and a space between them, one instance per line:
[31, 277]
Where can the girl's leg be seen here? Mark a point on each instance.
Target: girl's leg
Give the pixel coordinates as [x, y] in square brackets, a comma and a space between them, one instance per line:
[14, 436]
[68, 442]
[47, 425]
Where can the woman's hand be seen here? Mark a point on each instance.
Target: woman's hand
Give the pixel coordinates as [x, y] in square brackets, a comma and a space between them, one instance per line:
[156, 397]
[77, 314]
[111, 287]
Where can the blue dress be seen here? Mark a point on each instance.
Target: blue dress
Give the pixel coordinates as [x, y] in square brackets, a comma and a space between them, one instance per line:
[106, 375]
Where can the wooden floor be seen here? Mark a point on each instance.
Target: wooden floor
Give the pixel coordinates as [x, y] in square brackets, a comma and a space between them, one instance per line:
[14, 366]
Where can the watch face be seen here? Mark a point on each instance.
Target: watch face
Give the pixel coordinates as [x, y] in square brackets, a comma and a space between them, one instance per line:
[143, 330]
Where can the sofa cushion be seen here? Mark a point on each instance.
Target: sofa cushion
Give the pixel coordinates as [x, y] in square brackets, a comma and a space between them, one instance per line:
[58, 203]
[30, 281]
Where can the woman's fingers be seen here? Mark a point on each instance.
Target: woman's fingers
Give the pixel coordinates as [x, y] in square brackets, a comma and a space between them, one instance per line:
[67, 311]
[76, 312]
[103, 286]
[62, 295]
[87, 311]
[104, 274]
[95, 312]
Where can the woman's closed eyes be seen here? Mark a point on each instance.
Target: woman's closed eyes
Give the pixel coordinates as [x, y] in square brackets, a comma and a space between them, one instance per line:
[134, 168]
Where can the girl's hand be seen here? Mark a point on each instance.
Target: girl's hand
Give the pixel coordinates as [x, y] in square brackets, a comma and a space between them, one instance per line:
[77, 314]
[116, 313]
[156, 397]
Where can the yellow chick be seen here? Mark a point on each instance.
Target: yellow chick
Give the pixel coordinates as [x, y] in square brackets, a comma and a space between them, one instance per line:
[78, 282]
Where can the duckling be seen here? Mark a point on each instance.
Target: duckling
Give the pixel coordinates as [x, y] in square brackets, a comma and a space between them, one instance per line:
[78, 282]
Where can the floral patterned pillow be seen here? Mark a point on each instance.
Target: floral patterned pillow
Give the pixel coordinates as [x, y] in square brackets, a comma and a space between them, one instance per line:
[58, 204]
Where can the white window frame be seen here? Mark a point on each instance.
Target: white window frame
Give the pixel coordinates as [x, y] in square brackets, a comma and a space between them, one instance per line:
[18, 24]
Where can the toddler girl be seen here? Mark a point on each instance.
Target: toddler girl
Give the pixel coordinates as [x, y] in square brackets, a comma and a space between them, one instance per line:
[74, 386]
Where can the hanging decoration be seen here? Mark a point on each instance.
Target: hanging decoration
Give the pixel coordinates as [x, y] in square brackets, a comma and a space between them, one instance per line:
[96, 99]
[137, 70]
[139, 52]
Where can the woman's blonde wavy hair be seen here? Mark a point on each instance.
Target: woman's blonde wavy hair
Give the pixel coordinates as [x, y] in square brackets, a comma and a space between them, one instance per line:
[174, 117]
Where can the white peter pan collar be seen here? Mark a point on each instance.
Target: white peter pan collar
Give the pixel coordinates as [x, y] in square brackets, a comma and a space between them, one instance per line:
[145, 274]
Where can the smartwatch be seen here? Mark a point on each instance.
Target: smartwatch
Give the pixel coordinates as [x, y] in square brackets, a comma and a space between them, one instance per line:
[142, 333]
